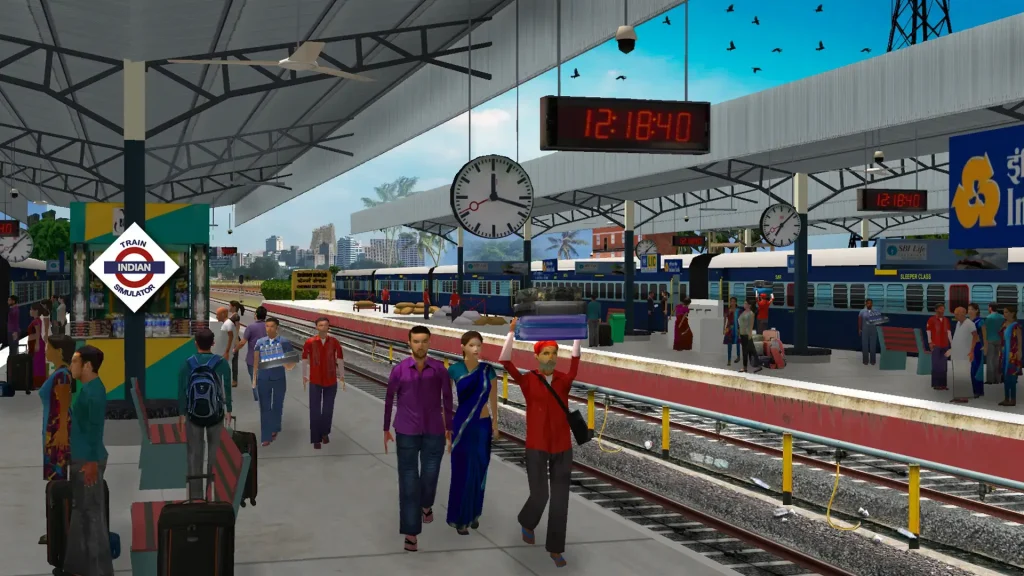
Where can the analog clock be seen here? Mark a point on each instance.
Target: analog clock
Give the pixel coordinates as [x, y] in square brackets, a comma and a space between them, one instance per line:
[645, 247]
[780, 225]
[492, 196]
[16, 248]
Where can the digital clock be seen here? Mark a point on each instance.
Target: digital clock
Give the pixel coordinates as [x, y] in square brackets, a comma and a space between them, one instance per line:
[688, 241]
[882, 200]
[9, 228]
[572, 123]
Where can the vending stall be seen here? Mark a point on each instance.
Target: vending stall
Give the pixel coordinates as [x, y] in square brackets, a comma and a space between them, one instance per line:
[171, 289]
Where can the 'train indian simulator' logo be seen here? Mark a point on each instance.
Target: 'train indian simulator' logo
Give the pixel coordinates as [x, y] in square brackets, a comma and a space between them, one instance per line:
[134, 267]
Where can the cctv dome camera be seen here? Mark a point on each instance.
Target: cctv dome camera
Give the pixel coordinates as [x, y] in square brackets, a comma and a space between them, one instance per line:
[230, 230]
[14, 192]
[626, 38]
[879, 156]
[686, 218]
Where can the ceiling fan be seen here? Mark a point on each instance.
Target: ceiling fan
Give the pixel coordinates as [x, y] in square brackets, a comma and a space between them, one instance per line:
[302, 60]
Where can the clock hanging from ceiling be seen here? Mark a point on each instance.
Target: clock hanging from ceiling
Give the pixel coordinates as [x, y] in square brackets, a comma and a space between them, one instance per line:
[780, 225]
[16, 248]
[645, 247]
[492, 196]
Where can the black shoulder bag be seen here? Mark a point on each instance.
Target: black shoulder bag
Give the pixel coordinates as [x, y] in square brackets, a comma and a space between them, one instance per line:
[577, 423]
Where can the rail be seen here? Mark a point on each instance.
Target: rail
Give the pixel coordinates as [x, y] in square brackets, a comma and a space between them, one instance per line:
[913, 487]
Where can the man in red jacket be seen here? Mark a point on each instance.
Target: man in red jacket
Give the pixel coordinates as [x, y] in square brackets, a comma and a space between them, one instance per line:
[548, 439]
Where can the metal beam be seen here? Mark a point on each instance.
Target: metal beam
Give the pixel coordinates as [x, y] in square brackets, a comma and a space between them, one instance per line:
[362, 42]
[216, 183]
[435, 228]
[58, 149]
[81, 187]
[905, 167]
[881, 223]
[739, 172]
[252, 144]
[1012, 111]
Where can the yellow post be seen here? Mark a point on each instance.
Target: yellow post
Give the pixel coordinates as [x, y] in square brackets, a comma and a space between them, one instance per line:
[445, 363]
[590, 409]
[504, 387]
[666, 431]
[391, 353]
[787, 469]
[914, 513]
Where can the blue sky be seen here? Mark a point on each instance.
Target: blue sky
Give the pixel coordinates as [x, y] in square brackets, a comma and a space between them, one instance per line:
[653, 70]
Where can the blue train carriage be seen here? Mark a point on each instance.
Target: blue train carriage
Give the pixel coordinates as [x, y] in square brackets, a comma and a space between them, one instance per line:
[490, 292]
[31, 283]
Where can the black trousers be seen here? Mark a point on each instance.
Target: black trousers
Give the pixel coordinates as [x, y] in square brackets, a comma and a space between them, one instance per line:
[747, 349]
[544, 469]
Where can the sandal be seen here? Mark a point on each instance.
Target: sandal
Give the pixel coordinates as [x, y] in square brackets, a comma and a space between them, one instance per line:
[474, 525]
[410, 545]
[559, 560]
[463, 531]
[428, 515]
[528, 536]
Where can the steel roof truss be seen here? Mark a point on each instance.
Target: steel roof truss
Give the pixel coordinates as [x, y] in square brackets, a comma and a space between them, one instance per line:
[906, 167]
[221, 182]
[435, 228]
[60, 149]
[738, 172]
[81, 187]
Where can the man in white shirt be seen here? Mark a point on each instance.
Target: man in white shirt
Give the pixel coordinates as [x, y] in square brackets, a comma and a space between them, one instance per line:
[223, 333]
[961, 352]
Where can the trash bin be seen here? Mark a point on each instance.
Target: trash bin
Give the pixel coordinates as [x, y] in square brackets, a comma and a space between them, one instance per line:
[618, 324]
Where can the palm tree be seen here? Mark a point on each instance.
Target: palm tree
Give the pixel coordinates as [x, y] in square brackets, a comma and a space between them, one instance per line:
[431, 245]
[565, 244]
[401, 187]
[495, 251]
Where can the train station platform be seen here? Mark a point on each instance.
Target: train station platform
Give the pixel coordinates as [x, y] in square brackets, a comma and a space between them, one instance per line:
[333, 510]
[895, 411]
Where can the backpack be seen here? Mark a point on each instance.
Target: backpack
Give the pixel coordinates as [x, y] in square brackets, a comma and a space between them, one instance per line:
[204, 399]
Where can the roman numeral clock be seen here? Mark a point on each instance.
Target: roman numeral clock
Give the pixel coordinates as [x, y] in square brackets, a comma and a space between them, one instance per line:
[492, 196]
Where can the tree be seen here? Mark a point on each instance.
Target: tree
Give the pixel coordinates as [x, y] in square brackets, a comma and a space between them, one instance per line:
[496, 251]
[389, 192]
[565, 244]
[334, 269]
[264, 268]
[50, 238]
[430, 245]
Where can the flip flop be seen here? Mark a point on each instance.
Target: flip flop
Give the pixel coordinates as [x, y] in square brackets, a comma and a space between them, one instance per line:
[559, 561]
[529, 537]
[428, 516]
[463, 531]
[411, 546]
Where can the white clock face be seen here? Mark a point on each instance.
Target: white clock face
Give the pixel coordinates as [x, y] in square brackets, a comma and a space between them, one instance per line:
[780, 225]
[645, 247]
[16, 248]
[492, 196]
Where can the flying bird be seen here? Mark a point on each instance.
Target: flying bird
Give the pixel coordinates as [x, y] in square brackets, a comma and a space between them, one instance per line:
[756, 22]
[820, 8]
[575, 73]
[866, 50]
[777, 51]
[620, 77]
[756, 70]
[666, 21]
[729, 9]
[731, 47]
[821, 46]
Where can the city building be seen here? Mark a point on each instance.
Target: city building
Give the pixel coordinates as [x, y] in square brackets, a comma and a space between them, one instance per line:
[608, 242]
[408, 252]
[275, 244]
[323, 246]
[344, 256]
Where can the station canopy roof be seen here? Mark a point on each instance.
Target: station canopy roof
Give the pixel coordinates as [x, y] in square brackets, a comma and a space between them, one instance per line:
[214, 132]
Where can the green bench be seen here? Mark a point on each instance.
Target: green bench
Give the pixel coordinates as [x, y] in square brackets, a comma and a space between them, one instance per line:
[230, 469]
[896, 343]
[162, 458]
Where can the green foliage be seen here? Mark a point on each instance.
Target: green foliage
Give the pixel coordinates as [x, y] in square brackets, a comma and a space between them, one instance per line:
[263, 268]
[282, 290]
[495, 251]
[564, 244]
[334, 269]
[50, 238]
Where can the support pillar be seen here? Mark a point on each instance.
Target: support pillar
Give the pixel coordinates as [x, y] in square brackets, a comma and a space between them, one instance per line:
[865, 233]
[748, 241]
[628, 249]
[527, 252]
[134, 210]
[460, 263]
[800, 265]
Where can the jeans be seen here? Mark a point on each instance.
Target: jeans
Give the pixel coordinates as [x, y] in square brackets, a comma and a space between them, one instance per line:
[321, 411]
[593, 328]
[197, 440]
[384, 307]
[419, 463]
[271, 392]
[1010, 386]
[993, 363]
[868, 343]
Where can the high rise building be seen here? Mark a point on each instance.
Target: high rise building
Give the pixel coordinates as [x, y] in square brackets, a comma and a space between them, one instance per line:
[345, 256]
[275, 244]
[324, 243]
[408, 255]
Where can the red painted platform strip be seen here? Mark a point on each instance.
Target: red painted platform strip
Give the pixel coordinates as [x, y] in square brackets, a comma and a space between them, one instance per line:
[976, 451]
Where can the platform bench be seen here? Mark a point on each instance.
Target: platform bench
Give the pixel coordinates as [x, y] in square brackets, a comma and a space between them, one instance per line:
[365, 305]
[162, 458]
[896, 343]
[230, 469]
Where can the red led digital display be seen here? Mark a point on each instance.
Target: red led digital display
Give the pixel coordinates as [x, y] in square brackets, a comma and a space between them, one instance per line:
[882, 200]
[688, 241]
[624, 125]
[9, 228]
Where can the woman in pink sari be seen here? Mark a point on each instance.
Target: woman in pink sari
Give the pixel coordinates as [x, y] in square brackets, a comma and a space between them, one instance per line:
[683, 335]
[37, 345]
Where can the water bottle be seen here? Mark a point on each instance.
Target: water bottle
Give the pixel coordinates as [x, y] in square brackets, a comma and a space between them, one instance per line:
[149, 326]
[277, 351]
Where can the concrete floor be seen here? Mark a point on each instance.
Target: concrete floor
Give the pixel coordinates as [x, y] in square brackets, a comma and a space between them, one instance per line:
[845, 370]
[332, 511]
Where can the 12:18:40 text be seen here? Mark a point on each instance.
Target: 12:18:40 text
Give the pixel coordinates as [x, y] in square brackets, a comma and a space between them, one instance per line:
[642, 125]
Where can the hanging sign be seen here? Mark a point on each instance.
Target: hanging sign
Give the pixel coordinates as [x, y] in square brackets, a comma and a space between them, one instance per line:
[674, 266]
[549, 265]
[134, 267]
[650, 263]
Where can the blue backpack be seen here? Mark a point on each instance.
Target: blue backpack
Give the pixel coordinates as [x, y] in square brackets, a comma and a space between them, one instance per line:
[204, 399]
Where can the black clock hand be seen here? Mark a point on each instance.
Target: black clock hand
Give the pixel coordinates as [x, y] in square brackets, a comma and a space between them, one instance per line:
[516, 204]
[494, 186]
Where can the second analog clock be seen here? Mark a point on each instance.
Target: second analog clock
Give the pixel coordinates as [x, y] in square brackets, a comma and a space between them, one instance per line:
[780, 225]
[16, 248]
[492, 196]
[645, 247]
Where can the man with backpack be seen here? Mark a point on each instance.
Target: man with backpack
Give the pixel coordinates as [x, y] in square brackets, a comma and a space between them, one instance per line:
[204, 406]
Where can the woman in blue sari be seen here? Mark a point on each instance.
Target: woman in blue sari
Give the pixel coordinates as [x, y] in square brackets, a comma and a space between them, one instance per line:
[474, 424]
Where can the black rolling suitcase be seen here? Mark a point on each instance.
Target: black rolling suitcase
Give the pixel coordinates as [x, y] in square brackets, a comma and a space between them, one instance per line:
[604, 334]
[19, 372]
[196, 538]
[247, 444]
[58, 519]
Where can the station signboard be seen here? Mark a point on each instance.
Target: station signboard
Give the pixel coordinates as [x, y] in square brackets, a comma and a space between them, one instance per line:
[321, 280]
[986, 195]
[937, 255]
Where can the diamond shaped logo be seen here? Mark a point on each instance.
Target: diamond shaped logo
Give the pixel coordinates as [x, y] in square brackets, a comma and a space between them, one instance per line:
[134, 267]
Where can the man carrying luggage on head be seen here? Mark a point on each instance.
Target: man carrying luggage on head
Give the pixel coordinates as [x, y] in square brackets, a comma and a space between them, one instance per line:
[88, 540]
[204, 406]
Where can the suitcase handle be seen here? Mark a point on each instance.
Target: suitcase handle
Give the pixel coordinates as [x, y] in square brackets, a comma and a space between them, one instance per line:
[199, 477]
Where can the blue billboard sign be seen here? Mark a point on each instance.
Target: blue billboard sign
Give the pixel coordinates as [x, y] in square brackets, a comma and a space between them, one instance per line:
[674, 266]
[986, 204]
[497, 268]
[600, 268]
[549, 265]
[936, 255]
[791, 263]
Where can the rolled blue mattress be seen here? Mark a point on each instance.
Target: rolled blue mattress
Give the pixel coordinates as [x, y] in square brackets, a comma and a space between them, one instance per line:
[559, 327]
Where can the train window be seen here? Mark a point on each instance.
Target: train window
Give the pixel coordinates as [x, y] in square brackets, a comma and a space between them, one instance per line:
[514, 287]
[602, 290]
[983, 295]
[497, 288]
[823, 291]
[618, 291]
[915, 298]
[875, 293]
[643, 291]
[713, 290]
[857, 296]
[779, 292]
[840, 296]
[467, 286]
[1006, 294]
[636, 291]
[736, 289]
[959, 295]
[935, 294]
[589, 290]
[724, 286]
[790, 295]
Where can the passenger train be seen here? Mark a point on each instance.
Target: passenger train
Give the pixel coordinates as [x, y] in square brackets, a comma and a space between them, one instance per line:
[839, 282]
[30, 282]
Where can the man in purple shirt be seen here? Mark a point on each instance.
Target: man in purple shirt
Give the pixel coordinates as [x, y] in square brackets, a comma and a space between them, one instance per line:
[253, 332]
[13, 322]
[422, 386]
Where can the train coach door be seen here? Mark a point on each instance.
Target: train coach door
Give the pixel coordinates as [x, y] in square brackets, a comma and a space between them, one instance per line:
[698, 270]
